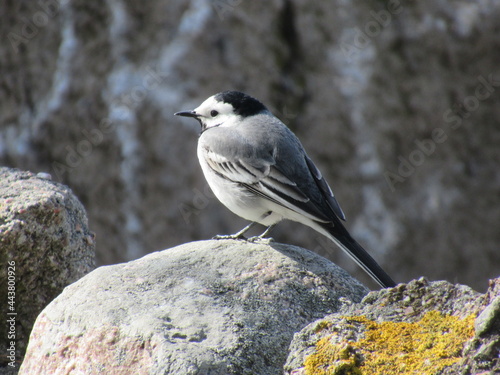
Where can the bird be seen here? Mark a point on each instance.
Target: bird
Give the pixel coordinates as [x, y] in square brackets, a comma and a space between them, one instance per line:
[257, 167]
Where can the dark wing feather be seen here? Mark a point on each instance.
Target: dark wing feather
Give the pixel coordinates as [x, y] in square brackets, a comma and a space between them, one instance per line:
[325, 189]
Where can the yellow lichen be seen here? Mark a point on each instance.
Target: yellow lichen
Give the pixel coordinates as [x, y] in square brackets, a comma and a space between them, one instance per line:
[332, 359]
[394, 348]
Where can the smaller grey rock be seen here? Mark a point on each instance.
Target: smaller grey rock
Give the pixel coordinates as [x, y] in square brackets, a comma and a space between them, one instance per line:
[409, 303]
[45, 245]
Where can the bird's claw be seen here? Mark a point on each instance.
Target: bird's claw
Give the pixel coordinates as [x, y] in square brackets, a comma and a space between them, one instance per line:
[260, 239]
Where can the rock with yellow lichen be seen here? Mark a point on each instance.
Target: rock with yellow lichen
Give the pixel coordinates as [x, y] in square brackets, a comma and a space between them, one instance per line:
[416, 328]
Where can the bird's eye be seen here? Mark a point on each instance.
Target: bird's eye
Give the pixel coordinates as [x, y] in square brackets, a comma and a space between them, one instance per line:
[213, 113]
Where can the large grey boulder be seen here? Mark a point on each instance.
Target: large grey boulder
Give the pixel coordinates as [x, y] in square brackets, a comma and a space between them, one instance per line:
[213, 307]
[416, 328]
[45, 245]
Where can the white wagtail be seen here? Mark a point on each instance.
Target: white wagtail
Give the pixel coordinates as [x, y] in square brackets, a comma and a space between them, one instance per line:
[258, 169]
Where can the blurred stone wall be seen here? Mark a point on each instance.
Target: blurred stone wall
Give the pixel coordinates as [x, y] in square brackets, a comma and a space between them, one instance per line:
[396, 101]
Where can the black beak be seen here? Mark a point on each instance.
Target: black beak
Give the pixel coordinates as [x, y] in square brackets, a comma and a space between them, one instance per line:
[187, 114]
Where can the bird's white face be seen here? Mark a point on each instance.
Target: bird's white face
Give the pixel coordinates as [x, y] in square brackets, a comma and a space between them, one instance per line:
[213, 113]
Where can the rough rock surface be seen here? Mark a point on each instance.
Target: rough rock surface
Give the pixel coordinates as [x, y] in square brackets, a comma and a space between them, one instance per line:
[459, 327]
[88, 90]
[213, 307]
[45, 245]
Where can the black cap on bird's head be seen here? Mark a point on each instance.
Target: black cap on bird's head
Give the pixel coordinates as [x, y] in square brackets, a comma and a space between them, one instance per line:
[244, 105]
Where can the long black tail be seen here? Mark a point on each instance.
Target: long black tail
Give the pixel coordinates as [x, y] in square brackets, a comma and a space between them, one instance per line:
[343, 239]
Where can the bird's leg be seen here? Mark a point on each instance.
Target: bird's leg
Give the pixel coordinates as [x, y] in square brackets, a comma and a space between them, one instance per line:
[236, 236]
[262, 237]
